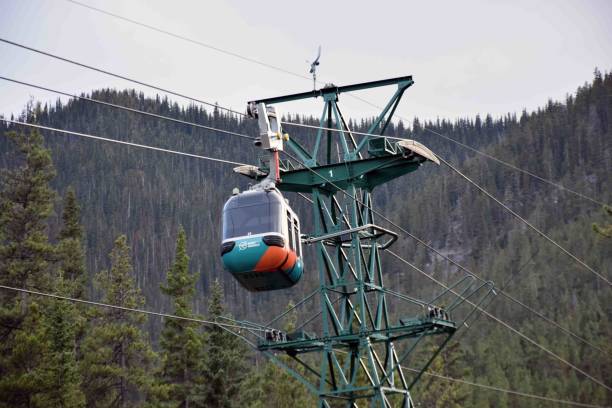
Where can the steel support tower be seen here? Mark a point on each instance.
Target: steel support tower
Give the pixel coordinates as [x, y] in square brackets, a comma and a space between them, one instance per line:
[357, 352]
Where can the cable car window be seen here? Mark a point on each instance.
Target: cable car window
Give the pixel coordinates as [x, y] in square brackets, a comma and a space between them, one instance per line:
[289, 232]
[296, 230]
[251, 219]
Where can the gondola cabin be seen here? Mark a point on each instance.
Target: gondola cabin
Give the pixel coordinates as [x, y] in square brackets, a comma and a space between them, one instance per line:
[261, 243]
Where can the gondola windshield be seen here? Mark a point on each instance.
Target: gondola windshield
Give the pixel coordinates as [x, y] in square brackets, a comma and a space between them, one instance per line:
[250, 214]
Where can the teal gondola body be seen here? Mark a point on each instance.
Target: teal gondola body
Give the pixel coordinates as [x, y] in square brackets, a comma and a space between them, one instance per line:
[261, 244]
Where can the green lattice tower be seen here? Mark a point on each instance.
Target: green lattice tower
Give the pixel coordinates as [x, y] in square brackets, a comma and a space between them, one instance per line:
[355, 356]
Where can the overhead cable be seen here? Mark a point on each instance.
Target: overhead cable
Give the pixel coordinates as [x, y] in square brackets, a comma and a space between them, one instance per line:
[500, 161]
[524, 221]
[503, 293]
[283, 122]
[125, 78]
[190, 40]
[505, 391]
[551, 353]
[468, 271]
[104, 139]
[126, 309]
[503, 323]
[495, 388]
[228, 326]
[280, 69]
[513, 167]
[140, 112]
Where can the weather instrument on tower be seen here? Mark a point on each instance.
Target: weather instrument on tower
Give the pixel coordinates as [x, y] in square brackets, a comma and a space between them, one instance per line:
[313, 68]
[261, 244]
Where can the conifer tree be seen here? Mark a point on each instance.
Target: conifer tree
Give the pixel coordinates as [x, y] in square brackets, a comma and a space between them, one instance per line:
[70, 252]
[63, 323]
[117, 357]
[224, 361]
[26, 201]
[61, 377]
[181, 342]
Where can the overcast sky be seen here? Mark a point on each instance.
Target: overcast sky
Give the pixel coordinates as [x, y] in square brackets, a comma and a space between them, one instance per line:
[466, 57]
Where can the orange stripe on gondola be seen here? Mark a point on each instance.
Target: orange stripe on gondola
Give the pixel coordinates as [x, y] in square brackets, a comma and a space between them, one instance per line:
[272, 259]
[290, 262]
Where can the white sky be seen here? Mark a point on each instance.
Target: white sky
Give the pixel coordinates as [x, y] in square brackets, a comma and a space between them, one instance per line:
[466, 57]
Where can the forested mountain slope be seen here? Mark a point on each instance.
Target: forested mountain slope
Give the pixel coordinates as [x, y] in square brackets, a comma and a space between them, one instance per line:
[147, 195]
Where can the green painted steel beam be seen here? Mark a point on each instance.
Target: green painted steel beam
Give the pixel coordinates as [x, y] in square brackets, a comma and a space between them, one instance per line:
[418, 327]
[407, 80]
[366, 173]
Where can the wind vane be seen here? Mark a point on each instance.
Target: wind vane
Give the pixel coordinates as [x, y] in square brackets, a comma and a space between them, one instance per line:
[313, 68]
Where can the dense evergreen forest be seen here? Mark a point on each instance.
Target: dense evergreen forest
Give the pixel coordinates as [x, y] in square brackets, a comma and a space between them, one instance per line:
[141, 229]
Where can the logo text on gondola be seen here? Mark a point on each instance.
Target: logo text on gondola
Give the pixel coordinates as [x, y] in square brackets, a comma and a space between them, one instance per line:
[248, 244]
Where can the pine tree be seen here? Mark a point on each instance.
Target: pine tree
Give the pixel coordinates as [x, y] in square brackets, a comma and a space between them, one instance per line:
[70, 252]
[224, 362]
[181, 341]
[61, 377]
[63, 323]
[26, 201]
[117, 357]
[22, 378]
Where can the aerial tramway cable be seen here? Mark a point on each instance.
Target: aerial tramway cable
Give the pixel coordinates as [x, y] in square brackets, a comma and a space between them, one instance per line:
[250, 137]
[102, 71]
[228, 326]
[503, 323]
[505, 163]
[512, 329]
[104, 139]
[513, 167]
[542, 234]
[140, 112]
[127, 309]
[552, 183]
[524, 221]
[506, 391]
[283, 70]
[190, 40]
